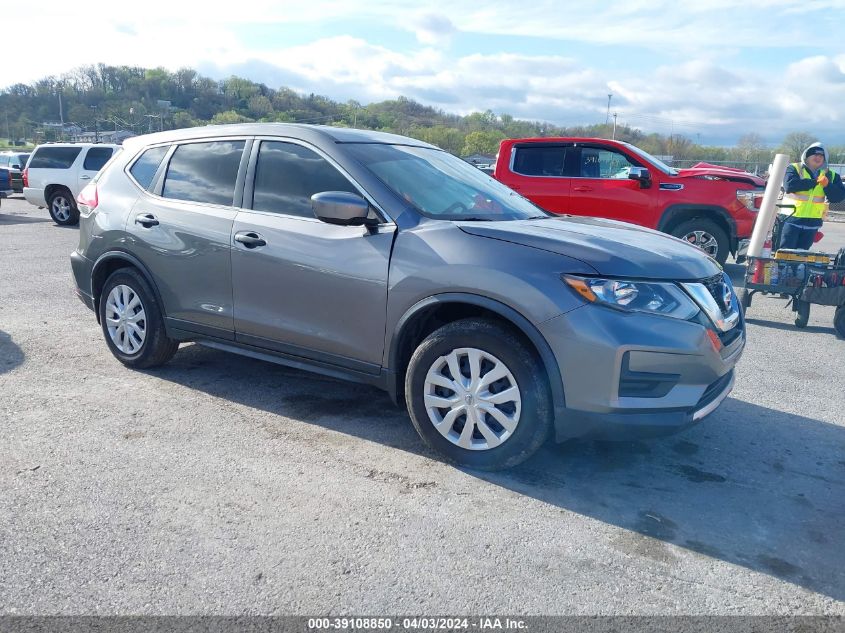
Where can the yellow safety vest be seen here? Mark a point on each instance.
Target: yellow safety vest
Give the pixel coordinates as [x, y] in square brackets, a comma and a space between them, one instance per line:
[809, 204]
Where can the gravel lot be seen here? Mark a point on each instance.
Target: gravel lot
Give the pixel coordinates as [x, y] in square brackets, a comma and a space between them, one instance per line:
[225, 485]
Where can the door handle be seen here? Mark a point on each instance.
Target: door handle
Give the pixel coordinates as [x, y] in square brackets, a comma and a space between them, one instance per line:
[250, 239]
[582, 188]
[85, 177]
[147, 220]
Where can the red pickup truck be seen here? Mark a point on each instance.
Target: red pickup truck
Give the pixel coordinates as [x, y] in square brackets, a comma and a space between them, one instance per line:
[709, 206]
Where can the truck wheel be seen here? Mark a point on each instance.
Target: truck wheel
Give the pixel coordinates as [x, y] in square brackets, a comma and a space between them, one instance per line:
[62, 208]
[802, 310]
[839, 321]
[705, 234]
[478, 395]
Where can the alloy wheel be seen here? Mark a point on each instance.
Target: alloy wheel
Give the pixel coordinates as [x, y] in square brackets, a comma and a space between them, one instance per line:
[704, 240]
[61, 208]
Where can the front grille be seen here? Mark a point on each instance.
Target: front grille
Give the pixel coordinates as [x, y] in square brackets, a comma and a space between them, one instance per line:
[714, 287]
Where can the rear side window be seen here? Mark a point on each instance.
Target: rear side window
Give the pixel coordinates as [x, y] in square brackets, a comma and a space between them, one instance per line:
[96, 158]
[541, 160]
[54, 157]
[287, 175]
[146, 166]
[204, 172]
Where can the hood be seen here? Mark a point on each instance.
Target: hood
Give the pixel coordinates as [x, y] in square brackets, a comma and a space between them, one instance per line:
[816, 144]
[614, 249]
[717, 172]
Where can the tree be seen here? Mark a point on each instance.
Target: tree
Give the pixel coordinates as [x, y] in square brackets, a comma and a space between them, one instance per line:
[795, 143]
[486, 142]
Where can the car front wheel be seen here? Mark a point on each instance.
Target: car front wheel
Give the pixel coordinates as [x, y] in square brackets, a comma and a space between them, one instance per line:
[706, 235]
[478, 395]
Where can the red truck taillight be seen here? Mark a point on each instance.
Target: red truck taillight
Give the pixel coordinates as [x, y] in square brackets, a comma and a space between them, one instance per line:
[25, 177]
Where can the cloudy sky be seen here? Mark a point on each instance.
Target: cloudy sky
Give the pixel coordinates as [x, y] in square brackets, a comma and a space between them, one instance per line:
[711, 70]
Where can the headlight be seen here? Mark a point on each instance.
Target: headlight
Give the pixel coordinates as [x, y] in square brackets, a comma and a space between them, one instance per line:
[635, 296]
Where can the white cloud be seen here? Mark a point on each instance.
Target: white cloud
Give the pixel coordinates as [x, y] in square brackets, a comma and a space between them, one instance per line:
[699, 88]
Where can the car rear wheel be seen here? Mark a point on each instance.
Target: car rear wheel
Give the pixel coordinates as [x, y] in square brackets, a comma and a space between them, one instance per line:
[132, 321]
[478, 395]
[707, 235]
[63, 208]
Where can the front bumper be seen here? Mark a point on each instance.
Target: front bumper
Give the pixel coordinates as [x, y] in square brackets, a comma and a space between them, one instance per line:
[631, 375]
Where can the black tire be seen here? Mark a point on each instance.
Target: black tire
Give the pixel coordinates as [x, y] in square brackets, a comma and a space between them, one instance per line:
[745, 299]
[533, 419]
[802, 313]
[839, 321]
[156, 348]
[687, 229]
[62, 208]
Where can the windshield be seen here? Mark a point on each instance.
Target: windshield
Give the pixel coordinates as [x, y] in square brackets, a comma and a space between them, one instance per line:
[443, 186]
[654, 161]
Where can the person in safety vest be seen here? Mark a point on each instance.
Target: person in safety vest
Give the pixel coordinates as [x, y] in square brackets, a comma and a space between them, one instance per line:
[806, 185]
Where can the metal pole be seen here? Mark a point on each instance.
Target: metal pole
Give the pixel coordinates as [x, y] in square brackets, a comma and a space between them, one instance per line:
[607, 118]
[614, 127]
[768, 211]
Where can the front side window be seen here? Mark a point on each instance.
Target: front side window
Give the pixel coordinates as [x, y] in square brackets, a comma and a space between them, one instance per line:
[604, 163]
[146, 166]
[96, 158]
[204, 172]
[287, 175]
[54, 157]
[443, 186]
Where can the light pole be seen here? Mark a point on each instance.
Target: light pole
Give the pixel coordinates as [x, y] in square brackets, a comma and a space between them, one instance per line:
[607, 118]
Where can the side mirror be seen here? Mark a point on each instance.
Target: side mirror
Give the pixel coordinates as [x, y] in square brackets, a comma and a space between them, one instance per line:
[340, 207]
[16, 166]
[641, 175]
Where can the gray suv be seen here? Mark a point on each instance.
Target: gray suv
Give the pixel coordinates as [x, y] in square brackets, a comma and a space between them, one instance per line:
[381, 259]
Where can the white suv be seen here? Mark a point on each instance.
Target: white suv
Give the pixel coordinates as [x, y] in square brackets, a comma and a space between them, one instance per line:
[57, 172]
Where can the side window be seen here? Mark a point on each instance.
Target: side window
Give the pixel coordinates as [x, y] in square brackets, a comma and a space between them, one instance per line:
[540, 160]
[4, 161]
[604, 163]
[204, 172]
[287, 175]
[54, 157]
[147, 165]
[96, 158]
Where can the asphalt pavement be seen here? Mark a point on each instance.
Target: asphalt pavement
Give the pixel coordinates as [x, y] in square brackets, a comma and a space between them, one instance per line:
[225, 485]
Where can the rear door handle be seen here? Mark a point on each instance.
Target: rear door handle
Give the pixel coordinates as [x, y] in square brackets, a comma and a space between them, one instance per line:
[147, 220]
[250, 239]
[582, 188]
[85, 177]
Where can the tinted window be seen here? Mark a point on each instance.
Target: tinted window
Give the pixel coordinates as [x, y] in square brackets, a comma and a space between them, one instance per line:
[542, 160]
[96, 158]
[147, 165]
[204, 172]
[20, 159]
[54, 157]
[287, 175]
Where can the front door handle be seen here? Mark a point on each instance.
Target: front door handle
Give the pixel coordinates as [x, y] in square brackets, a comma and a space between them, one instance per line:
[85, 177]
[582, 188]
[147, 220]
[250, 239]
